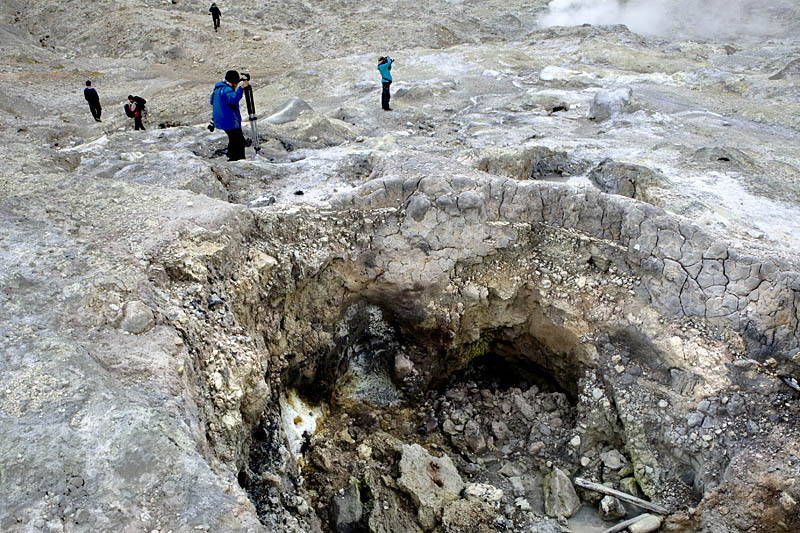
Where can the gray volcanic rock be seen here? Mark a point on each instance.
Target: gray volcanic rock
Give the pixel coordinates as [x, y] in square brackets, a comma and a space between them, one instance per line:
[610, 103]
[192, 344]
[430, 481]
[137, 318]
[633, 181]
[611, 508]
[790, 71]
[289, 111]
[347, 510]
[560, 499]
[535, 162]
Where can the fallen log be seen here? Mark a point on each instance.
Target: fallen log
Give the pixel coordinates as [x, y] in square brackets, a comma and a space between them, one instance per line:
[624, 496]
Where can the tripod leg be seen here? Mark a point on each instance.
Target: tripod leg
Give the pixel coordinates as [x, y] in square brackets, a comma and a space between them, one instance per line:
[251, 112]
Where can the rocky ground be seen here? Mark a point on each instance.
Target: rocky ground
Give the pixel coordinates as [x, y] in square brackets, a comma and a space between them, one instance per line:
[568, 251]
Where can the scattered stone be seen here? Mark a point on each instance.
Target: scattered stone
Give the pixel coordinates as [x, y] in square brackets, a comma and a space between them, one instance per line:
[364, 452]
[695, 419]
[613, 459]
[482, 492]
[611, 508]
[522, 504]
[403, 367]
[137, 318]
[347, 510]
[560, 498]
[430, 481]
[645, 524]
[787, 502]
[474, 437]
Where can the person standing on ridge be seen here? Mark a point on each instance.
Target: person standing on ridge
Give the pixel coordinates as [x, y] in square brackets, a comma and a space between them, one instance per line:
[215, 14]
[94, 100]
[385, 68]
[225, 104]
[138, 111]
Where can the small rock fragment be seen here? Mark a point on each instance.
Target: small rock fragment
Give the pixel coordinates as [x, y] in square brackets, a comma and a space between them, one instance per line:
[611, 508]
[645, 524]
[137, 318]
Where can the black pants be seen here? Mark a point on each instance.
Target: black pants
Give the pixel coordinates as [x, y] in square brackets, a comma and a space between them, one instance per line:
[235, 144]
[96, 111]
[385, 95]
[216, 23]
[137, 122]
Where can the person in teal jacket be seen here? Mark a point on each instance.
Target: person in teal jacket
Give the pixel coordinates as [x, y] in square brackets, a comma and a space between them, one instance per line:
[385, 68]
[225, 104]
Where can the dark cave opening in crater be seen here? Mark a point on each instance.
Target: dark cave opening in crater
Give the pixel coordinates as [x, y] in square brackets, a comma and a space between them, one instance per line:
[382, 386]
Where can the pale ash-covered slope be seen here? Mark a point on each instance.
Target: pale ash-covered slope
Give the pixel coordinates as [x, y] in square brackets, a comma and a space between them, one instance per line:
[149, 331]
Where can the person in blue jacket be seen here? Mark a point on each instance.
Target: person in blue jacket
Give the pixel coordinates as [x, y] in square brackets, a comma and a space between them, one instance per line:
[225, 104]
[385, 68]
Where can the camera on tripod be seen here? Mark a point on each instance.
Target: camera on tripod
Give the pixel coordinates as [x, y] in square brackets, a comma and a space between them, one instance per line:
[244, 76]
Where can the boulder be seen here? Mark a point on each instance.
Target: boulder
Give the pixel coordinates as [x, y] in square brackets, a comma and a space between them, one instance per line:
[529, 163]
[560, 498]
[431, 482]
[288, 111]
[608, 103]
[624, 179]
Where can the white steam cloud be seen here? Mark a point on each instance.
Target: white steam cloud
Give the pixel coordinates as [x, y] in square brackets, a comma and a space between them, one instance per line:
[681, 18]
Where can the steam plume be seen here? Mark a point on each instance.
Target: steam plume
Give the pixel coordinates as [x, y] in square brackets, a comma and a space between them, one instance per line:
[690, 18]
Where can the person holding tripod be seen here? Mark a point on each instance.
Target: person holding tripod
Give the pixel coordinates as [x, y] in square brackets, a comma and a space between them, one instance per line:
[225, 104]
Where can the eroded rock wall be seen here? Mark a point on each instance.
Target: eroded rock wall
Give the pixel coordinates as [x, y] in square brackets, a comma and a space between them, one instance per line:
[685, 271]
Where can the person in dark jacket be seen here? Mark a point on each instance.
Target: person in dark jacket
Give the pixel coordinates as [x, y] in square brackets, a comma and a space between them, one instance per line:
[94, 100]
[215, 15]
[385, 68]
[137, 104]
[225, 104]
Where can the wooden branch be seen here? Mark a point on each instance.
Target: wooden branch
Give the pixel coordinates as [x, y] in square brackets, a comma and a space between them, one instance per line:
[623, 525]
[624, 496]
